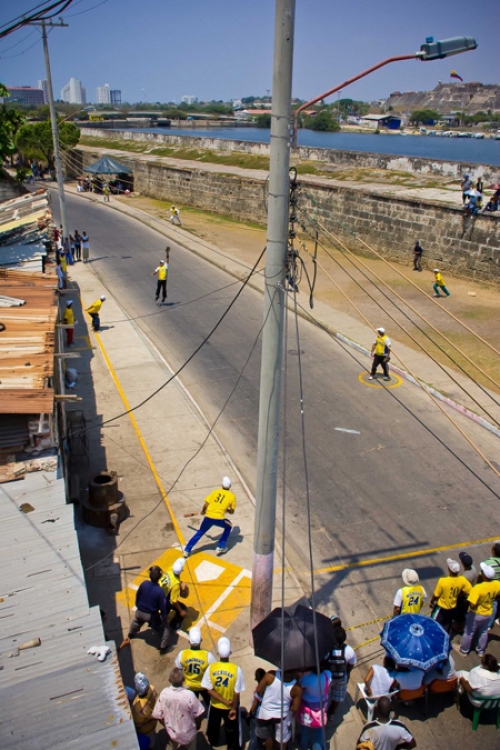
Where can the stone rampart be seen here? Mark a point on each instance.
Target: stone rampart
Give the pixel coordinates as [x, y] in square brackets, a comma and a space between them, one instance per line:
[333, 157]
[468, 248]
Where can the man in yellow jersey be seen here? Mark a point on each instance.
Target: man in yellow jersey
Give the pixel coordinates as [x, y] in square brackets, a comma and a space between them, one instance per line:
[410, 598]
[161, 284]
[445, 597]
[381, 352]
[171, 585]
[481, 600]
[94, 310]
[216, 505]
[439, 285]
[142, 706]
[224, 682]
[195, 662]
[69, 320]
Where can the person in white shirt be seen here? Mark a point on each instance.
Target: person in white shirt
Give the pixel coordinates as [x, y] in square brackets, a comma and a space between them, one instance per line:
[224, 682]
[386, 733]
[482, 681]
[379, 680]
[180, 711]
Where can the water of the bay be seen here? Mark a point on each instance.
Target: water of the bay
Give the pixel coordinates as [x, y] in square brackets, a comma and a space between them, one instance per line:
[464, 150]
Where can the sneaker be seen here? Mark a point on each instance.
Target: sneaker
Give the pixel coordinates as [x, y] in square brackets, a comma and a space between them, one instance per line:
[479, 653]
[436, 295]
[370, 377]
[385, 378]
[456, 647]
[497, 622]
[185, 553]
[221, 550]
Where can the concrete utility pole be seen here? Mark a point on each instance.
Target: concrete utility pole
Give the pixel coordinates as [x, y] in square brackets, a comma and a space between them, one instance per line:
[55, 129]
[274, 308]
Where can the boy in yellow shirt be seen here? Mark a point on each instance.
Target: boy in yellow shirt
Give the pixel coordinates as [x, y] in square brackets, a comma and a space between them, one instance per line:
[216, 505]
[481, 600]
[439, 285]
[446, 593]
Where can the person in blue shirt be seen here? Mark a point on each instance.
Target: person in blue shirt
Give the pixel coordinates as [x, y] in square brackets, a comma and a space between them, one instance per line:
[151, 608]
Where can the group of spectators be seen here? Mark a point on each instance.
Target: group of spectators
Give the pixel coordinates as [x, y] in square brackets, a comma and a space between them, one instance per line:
[472, 197]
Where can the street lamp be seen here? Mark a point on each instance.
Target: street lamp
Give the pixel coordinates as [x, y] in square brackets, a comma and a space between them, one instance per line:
[431, 50]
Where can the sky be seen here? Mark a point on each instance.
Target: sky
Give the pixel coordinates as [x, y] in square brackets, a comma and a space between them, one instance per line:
[161, 50]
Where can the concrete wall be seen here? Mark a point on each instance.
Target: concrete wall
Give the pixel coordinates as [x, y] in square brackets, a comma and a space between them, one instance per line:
[335, 157]
[390, 225]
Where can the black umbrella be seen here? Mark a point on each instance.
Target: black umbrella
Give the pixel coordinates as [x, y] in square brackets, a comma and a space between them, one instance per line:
[299, 633]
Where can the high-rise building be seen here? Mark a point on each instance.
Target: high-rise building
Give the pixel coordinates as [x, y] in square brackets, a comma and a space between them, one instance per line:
[73, 92]
[104, 94]
[25, 95]
[189, 99]
[44, 86]
[116, 97]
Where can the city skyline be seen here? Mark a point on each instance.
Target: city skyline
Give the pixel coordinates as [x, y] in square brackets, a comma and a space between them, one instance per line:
[225, 50]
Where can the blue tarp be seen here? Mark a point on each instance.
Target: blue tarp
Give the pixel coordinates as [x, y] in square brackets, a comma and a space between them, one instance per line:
[107, 165]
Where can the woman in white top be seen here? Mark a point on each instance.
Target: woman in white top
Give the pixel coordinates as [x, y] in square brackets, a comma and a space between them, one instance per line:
[379, 681]
[482, 681]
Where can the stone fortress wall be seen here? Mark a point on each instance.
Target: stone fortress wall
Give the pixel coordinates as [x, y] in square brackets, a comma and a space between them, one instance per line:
[391, 225]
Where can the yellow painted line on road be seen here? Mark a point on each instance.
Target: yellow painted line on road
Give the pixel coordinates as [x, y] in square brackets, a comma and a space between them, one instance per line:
[141, 441]
[405, 555]
[363, 378]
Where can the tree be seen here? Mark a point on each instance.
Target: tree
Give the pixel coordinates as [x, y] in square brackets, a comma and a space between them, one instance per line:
[263, 121]
[34, 140]
[10, 122]
[424, 117]
[323, 121]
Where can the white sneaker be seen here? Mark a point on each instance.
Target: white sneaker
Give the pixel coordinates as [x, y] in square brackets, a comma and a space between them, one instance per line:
[185, 553]
[221, 550]
[370, 377]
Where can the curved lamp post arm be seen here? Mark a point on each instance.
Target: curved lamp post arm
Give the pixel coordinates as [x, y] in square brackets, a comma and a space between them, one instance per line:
[414, 56]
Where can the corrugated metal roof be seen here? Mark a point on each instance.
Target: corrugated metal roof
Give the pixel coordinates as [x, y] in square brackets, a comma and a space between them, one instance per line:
[27, 343]
[55, 695]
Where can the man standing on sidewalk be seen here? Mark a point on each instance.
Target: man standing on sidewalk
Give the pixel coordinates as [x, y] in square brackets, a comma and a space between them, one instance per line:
[381, 351]
[85, 246]
[481, 599]
[216, 505]
[94, 310]
[445, 598]
[417, 256]
[439, 285]
[161, 284]
[194, 661]
[180, 711]
[224, 682]
[69, 320]
[411, 597]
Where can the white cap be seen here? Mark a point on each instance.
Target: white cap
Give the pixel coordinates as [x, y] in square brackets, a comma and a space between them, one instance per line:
[226, 483]
[410, 576]
[161, 260]
[195, 636]
[178, 566]
[103, 297]
[487, 570]
[381, 330]
[224, 647]
[436, 270]
[453, 565]
[69, 302]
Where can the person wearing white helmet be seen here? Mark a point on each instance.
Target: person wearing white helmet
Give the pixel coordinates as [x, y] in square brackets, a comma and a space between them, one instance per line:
[173, 589]
[381, 354]
[216, 505]
[94, 310]
[224, 682]
[195, 662]
[161, 284]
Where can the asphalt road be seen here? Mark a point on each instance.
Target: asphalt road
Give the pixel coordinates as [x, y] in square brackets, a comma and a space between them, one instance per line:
[403, 480]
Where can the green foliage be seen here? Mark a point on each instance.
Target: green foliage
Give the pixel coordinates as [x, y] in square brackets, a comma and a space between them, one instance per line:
[424, 116]
[34, 139]
[263, 121]
[10, 122]
[174, 114]
[323, 121]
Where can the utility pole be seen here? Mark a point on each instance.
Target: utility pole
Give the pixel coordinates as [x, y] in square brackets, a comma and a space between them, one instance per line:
[55, 129]
[274, 309]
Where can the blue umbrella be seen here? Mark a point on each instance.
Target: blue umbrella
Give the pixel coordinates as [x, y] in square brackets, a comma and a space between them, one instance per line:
[415, 641]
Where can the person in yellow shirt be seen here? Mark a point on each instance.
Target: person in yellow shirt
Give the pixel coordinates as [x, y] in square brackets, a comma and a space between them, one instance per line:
[381, 352]
[481, 599]
[224, 682]
[161, 284]
[171, 585]
[142, 706]
[217, 504]
[410, 598]
[439, 285]
[445, 597]
[94, 310]
[69, 320]
[194, 661]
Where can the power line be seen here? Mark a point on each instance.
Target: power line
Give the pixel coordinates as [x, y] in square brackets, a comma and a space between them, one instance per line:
[45, 13]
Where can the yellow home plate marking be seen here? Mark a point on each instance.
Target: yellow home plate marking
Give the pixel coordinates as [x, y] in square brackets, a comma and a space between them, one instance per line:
[218, 590]
[394, 382]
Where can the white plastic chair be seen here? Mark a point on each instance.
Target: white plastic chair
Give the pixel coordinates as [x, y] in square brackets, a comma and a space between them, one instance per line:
[370, 700]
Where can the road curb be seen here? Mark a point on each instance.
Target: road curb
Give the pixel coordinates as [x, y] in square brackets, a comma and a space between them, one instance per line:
[146, 219]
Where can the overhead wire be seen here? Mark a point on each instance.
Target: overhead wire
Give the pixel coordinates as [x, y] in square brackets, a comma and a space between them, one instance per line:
[349, 254]
[412, 283]
[43, 14]
[413, 322]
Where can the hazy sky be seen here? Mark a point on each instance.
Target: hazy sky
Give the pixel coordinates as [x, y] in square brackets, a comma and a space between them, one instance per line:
[159, 50]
